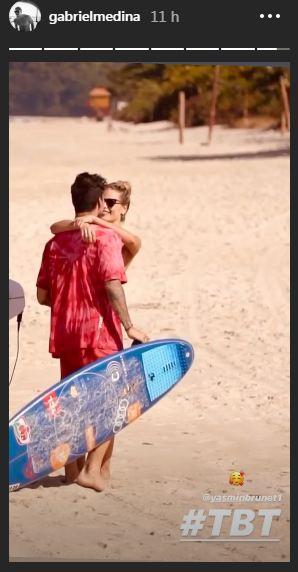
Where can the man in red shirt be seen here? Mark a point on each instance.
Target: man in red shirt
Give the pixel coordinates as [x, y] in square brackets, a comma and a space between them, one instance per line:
[82, 284]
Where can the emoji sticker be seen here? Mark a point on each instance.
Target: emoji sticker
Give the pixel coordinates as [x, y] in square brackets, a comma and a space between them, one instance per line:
[237, 478]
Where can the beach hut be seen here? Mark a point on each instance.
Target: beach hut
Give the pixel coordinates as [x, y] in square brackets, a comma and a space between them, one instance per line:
[100, 102]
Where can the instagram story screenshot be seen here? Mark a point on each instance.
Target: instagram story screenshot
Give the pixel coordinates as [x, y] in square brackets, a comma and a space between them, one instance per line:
[148, 241]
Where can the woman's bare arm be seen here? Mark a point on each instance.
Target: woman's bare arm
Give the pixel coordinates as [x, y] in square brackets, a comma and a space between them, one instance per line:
[131, 242]
[62, 226]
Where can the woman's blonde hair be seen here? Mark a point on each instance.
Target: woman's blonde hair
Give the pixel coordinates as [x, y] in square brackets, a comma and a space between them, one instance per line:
[124, 188]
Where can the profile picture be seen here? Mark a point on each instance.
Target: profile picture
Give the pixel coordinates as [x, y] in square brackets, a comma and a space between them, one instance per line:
[24, 16]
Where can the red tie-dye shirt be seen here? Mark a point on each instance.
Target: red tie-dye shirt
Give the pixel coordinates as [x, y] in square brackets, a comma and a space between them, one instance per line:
[74, 273]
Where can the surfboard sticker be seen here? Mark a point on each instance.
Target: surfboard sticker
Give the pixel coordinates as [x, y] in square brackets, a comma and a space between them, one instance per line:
[59, 456]
[133, 411]
[22, 431]
[52, 405]
[14, 487]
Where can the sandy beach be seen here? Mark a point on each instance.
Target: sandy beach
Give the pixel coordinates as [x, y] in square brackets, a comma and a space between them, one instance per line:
[214, 270]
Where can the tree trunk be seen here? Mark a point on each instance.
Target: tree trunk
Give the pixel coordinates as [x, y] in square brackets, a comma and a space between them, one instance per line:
[284, 96]
[215, 91]
[245, 110]
[181, 116]
[283, 125]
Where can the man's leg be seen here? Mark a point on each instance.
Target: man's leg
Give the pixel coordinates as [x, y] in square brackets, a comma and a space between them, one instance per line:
[68, 366]
[72, 470]
[93, 474]
[95, 471]
[106, 462]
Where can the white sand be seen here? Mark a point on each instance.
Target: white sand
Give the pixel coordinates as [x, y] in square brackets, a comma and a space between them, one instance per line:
[213, 269]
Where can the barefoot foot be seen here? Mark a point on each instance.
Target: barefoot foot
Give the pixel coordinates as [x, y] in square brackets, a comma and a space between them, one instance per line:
[91, 481]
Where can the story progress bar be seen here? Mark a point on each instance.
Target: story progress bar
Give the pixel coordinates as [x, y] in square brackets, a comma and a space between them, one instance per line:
[152, 49]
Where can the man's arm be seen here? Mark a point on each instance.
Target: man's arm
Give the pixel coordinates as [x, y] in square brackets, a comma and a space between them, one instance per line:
[117, 300]
[43, 297]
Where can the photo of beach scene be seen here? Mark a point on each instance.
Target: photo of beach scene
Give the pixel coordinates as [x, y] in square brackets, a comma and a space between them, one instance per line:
[206, 151]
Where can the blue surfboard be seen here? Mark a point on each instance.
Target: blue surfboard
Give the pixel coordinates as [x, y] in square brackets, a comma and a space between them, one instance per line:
[90, 406]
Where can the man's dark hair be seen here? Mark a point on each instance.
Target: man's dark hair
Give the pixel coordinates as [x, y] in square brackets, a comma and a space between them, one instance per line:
[86, 191]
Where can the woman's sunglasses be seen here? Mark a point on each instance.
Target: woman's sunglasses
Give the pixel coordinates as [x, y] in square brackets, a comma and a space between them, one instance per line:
[111, 202]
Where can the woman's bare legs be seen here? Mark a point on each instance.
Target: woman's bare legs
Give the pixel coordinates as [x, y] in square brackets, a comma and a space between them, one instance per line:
[73, 469]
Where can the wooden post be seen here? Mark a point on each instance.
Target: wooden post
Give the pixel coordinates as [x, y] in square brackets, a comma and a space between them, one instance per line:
[109, 123]
[181, 116]
[283, 126]
[245, 109]
[285, 101]
[215, 91]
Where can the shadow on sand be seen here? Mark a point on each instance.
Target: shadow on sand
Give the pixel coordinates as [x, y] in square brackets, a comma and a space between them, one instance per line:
[47, 482]
[270, 154]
